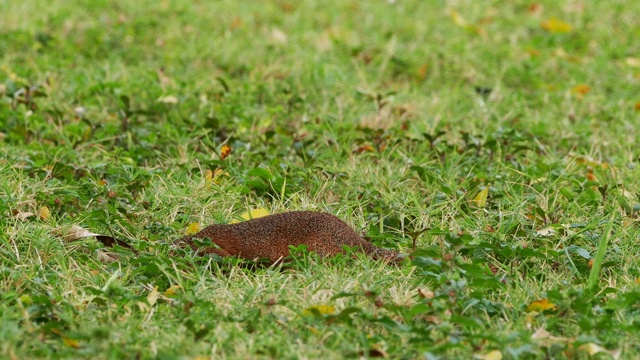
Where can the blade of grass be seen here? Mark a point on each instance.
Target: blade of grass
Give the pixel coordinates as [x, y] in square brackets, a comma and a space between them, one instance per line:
[599, 258]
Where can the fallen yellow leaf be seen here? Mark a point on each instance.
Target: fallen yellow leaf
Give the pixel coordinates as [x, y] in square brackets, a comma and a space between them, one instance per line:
[460, 21]
[491, 355]
[44, 213]
[172, 290]
[481, 199]
[422, 71]
[236, 23]
[72, 343]
[253, 214]
[214, 175]
[225, 150]
[541, 305]
[220, 172]
[193, 228]
[533, 52]
[208, 175]
[581, 89]
[592, 349]
[555, 25]
[322, 309]
[586, 160]
[25, 299]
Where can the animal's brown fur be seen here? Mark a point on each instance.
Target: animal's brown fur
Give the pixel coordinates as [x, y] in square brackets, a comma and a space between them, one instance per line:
[270, 236]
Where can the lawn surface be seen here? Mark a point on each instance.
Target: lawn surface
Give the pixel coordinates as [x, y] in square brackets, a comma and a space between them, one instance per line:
[501, 137]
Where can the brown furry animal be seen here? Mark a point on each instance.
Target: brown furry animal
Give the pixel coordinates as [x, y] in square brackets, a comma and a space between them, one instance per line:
[270, 236]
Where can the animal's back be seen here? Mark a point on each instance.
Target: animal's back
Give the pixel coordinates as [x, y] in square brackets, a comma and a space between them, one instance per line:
[271, 236]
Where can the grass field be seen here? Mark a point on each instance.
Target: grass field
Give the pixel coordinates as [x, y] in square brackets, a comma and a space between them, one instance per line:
[500, 136]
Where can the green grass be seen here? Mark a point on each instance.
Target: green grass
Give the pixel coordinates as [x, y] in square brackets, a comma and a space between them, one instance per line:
[388, 114]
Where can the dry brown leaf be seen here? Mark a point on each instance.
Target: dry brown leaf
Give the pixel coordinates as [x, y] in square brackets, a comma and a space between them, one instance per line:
[491, 355]
[76, 232]
[23, 215]
[375, 353]
[225, 150]
[548, 231]
[164, 79]
[542, 334]
[169, 99]
[153, 296]
[581, 89]
[278, 36]
[426, 294]
[107, 256]
[109, 241]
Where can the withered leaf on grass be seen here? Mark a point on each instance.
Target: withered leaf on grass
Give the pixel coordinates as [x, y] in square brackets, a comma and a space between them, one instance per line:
[193, 228]
[541, 305]
[44, 213]
[461, 22]
[481, 198]
[319, 310]
[72, 343]
[23, 215]
[491, 355]
[251, 214]
[169, 99]
[76, 232]
[581, 89]
[225, 150]
[109, 241]
[374, 353]
[555, 25]
[593, 349]
[107, 256]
